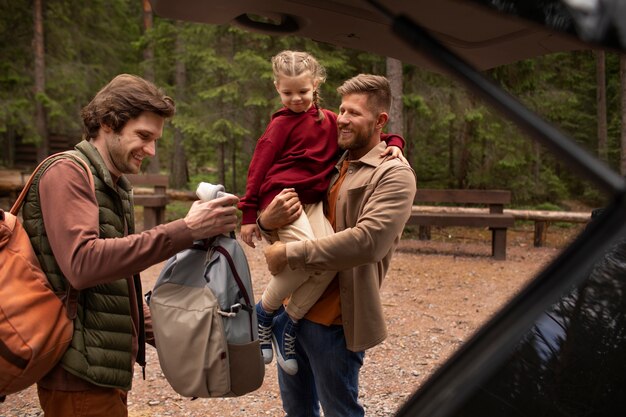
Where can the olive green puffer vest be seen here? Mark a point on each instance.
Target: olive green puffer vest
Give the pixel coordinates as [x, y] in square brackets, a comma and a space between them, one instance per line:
[101, 348]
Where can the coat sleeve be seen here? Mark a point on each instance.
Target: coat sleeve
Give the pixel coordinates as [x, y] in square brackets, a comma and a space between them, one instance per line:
[379, 224]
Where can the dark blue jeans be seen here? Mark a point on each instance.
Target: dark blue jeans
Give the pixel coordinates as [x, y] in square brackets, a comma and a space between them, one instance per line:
[328, 374]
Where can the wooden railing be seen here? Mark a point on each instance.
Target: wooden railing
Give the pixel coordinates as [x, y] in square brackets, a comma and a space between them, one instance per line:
[154, 201]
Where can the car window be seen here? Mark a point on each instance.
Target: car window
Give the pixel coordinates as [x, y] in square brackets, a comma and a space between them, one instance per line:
[563, 334]
[571, 362]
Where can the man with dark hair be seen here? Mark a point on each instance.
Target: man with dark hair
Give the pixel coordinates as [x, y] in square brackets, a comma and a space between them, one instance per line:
[84, 239]
[369, 202]
[122, 99]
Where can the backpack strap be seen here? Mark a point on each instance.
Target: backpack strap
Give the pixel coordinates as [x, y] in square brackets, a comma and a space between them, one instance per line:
[248, 307]
[70, 298]
[20, 199]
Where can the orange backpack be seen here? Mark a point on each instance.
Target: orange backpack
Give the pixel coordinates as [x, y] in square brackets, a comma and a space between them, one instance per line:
[36, 325]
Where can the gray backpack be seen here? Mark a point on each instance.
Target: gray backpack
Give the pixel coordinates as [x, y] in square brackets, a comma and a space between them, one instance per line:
[204, 321]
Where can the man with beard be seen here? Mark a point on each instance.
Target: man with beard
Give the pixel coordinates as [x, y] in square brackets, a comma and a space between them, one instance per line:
[85, 241]
[369, 202]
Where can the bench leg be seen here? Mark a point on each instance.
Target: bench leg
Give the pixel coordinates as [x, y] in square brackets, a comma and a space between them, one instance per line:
[160, 215]
[541, 231]
[498, 244]
[149, 218]
[424, 233]
[153, 216]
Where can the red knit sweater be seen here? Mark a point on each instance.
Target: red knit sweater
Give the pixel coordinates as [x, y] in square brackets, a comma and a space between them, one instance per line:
[296, 151]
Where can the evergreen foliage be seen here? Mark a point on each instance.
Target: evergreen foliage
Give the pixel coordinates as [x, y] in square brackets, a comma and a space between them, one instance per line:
[453, 139]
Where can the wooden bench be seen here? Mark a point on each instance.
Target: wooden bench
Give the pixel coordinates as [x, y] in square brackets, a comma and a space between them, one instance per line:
[541, 218]
[492, 216]
[152, 195]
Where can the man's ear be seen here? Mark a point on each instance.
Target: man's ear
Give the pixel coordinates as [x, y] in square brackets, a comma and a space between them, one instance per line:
[105, 128]
[382, 120]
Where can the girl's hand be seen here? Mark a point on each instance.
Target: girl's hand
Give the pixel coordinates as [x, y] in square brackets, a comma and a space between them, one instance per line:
[285, 208]
[394, 152]
[248, 233]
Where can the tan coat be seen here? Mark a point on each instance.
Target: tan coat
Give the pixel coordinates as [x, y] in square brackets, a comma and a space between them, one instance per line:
[373, 205]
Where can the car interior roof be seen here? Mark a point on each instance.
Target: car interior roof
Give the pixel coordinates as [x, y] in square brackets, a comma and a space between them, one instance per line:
[482, 37]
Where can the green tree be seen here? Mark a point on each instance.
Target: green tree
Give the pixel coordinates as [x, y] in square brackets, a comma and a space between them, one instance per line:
[16, 76]
[226, 98]
[39, 75]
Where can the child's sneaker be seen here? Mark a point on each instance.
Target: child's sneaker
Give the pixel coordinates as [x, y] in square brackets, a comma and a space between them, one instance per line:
[284, 338]
[265, 332]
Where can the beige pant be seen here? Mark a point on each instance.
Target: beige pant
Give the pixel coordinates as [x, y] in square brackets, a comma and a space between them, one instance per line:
[304, 287]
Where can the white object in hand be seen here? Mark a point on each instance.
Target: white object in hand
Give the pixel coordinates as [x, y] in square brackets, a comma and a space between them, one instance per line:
[207, 191]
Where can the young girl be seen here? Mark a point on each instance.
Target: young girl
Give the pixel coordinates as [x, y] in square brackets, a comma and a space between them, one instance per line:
[298, 150]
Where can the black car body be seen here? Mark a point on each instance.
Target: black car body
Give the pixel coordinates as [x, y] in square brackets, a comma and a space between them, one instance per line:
[559, 347]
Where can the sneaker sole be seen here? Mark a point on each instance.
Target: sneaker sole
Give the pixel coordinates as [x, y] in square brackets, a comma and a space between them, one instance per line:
[267, 360]
[281, 361]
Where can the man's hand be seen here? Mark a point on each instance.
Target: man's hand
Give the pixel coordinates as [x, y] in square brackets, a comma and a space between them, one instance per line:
[394, 152]
[285, 208]
[248, 233]
[212, 218]
[276, 257]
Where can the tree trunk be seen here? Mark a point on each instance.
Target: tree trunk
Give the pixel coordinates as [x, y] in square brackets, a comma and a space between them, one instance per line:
[622, 71]
[601, 104]
[469, 131]
[537, 164]
[394, 75]
[148, 52]
[154, 165]
[233, 163]
[253, 118]
[463, 167]
[451, 140]
[40, 80]
[221, 162]
[180, 176]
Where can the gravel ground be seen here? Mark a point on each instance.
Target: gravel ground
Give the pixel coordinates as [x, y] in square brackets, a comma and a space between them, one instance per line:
[435, 295]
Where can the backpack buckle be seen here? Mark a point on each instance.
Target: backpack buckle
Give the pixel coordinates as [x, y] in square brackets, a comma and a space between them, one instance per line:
[232, 311]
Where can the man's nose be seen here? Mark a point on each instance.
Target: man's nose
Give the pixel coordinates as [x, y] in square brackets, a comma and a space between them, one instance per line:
[150, 148]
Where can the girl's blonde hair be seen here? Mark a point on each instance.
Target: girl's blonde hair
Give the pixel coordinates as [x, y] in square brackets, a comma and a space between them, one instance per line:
[295, 63]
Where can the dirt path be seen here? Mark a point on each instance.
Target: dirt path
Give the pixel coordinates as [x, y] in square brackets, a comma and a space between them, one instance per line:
[436, 294]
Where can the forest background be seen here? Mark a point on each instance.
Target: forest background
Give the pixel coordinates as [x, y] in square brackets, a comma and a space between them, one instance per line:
[56, 54]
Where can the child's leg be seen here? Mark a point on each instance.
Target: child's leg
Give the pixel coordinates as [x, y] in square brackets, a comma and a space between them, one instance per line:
[283, 284]
[279, 288]
[313, 285]
[306, 288]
